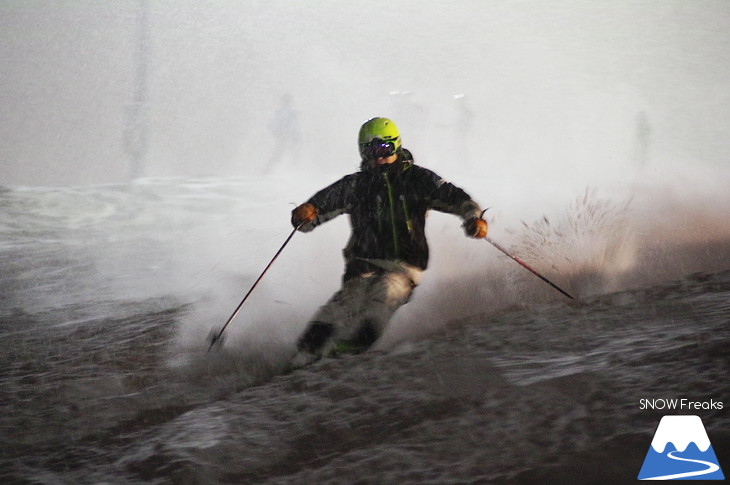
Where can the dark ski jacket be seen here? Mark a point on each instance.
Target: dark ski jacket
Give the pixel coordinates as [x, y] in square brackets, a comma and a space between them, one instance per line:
[387, 205]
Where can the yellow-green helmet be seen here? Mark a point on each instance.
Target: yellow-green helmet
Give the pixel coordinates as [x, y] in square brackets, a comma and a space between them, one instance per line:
[382, 131]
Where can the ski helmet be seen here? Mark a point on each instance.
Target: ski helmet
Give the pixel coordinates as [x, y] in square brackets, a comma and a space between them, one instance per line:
[382, 130]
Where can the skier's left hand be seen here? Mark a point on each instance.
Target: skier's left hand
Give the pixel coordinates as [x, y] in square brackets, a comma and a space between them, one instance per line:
[476, 228]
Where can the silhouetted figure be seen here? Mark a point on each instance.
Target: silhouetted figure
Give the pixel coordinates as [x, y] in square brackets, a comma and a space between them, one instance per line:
[643, 138]
[463, 127]
[284, 127]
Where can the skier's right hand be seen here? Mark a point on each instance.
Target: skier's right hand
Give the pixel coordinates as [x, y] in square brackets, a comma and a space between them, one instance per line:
[303, 214]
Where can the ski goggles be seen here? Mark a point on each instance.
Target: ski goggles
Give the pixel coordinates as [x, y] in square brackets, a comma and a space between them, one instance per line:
[377, 148]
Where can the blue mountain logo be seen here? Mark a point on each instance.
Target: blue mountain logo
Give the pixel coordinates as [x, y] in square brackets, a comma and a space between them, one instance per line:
[681, 450]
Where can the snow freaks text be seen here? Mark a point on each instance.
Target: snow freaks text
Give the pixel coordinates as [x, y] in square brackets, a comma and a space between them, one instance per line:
[680, 404]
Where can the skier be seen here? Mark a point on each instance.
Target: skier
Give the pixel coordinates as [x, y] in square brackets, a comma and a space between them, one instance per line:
[387, 201]
[284, 127]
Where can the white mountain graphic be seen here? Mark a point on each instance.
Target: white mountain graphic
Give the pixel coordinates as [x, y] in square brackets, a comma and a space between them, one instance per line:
[681, 431]
[680, 460]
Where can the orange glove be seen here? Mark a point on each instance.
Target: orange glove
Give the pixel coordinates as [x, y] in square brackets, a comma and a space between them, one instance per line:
[303, 214]
[476, 228]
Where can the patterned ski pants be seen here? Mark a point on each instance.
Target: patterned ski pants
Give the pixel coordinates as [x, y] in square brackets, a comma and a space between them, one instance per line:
[358, 313]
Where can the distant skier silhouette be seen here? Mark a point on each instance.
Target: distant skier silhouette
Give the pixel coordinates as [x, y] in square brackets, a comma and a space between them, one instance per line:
[284, 127]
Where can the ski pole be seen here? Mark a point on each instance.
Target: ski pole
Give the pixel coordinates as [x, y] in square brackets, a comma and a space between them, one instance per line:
[215, 338]
[527, 267]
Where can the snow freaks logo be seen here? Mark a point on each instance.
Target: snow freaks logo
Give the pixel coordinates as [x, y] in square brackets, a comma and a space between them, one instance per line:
[680, 450]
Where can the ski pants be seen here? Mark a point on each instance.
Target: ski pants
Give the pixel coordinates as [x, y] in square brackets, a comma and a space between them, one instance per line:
[359, 312]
